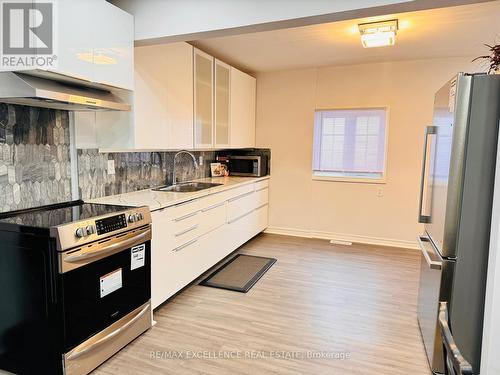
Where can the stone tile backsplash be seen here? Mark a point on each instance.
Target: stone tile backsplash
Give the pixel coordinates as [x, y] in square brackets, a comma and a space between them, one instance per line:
[34, 157]
[135, 171]
[35, 167]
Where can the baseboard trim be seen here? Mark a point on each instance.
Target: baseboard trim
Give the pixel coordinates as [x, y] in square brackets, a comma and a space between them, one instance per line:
[343, 237]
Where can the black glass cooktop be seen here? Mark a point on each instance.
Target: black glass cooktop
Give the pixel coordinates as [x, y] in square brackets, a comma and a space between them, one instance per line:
[51, 216]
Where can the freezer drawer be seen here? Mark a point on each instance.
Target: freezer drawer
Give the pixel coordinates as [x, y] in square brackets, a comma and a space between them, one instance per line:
[456, 364]
[431, 265]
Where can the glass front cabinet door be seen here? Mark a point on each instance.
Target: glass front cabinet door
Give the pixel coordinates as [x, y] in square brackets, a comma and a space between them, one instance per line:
[222, 103]
[203, 99]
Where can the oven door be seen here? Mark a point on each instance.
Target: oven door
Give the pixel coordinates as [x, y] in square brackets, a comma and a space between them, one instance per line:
[112, 279]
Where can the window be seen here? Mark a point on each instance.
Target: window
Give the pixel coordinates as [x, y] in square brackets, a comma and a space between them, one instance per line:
[350, 144]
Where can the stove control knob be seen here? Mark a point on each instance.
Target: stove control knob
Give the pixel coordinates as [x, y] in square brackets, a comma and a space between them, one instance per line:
[132, 218]
[80, 232]
[90, 230]
[140, 216]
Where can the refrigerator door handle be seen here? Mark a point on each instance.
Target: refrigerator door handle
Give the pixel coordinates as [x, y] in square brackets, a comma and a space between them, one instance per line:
[435, 261]
[429, 130]
[453, 357]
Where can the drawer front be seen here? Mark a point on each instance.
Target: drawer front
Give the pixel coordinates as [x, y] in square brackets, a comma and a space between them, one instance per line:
[212, 217]
[240, 229]
[213, 248]
[184, 223]
[239, 191]
[261, 218]
[261, 185]
[213, 199]
[183, 209]
[262, 197]
[241, 205]
[185, 236]
[179, 271]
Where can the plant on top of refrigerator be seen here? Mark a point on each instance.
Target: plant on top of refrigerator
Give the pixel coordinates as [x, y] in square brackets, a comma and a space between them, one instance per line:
[493, 58]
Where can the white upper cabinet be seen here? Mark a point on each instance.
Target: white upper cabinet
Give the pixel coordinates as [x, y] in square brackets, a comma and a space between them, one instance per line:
[74, 41]
[94, 43]
[163, 97]
[243, 91]
[179, 95]
[113, 46]
[183, 99]
[222, 104]
[162, 104]
[203, 99]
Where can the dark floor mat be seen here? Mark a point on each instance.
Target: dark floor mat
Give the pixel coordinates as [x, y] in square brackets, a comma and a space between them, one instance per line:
[240, 273]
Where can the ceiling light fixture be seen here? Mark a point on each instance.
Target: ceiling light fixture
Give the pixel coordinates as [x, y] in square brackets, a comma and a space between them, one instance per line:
[378, 34]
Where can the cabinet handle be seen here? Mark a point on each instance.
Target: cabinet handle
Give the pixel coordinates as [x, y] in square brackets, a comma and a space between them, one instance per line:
[212, 207]
[261, 206]
[240, 217]
[179, 248]
[240, 196]
[185, 216]
[264, 188]
[186, 230]
[187, 202]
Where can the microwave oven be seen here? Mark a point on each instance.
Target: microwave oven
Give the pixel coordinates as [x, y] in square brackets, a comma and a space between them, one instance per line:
[248, 165]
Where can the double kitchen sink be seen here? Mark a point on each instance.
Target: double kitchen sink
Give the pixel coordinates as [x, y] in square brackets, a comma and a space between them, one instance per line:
[187, 187]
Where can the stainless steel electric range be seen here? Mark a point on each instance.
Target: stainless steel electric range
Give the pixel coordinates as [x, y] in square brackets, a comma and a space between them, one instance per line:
[75, 285]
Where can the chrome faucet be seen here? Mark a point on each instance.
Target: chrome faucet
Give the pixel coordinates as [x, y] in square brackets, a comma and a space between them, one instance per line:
[174, 182]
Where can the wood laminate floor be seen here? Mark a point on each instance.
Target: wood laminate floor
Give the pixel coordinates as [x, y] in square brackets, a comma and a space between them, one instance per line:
[357, 302]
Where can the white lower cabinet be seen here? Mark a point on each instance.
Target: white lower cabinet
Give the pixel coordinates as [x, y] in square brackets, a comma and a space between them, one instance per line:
[190, 238]
[213, 217]
[160, 256]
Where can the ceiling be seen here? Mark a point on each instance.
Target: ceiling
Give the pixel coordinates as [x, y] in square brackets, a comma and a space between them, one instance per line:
[445, 32]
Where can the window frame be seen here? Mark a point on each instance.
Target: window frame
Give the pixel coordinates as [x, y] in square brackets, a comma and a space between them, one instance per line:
[354, 179]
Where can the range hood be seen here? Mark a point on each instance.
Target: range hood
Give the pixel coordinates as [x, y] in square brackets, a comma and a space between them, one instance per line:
[24, 89]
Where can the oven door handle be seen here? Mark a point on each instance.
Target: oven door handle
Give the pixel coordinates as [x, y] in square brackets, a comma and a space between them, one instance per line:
[114, 247]
[78, 352]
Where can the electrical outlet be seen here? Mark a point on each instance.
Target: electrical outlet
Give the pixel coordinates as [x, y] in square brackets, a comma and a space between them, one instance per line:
[380, 192]
[200, 160]
[111, 167]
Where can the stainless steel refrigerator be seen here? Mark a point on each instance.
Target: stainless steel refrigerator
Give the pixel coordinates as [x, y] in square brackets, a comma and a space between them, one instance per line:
[456, 197]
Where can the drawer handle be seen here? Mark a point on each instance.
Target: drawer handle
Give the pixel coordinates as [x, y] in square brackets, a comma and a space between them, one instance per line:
[186, 202]
[240, 196]
[264, 188]
[240, 217]
[186, 230]
[179, 248]
[212, 207]
[261, 206]
[85, 348]
[185, 216]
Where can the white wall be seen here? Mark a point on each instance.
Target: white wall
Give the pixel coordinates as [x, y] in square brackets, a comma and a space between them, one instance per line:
[285, 107]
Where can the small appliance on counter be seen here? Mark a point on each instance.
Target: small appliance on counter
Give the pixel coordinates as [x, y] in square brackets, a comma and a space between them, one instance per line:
[75, 285]
[246, 165]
